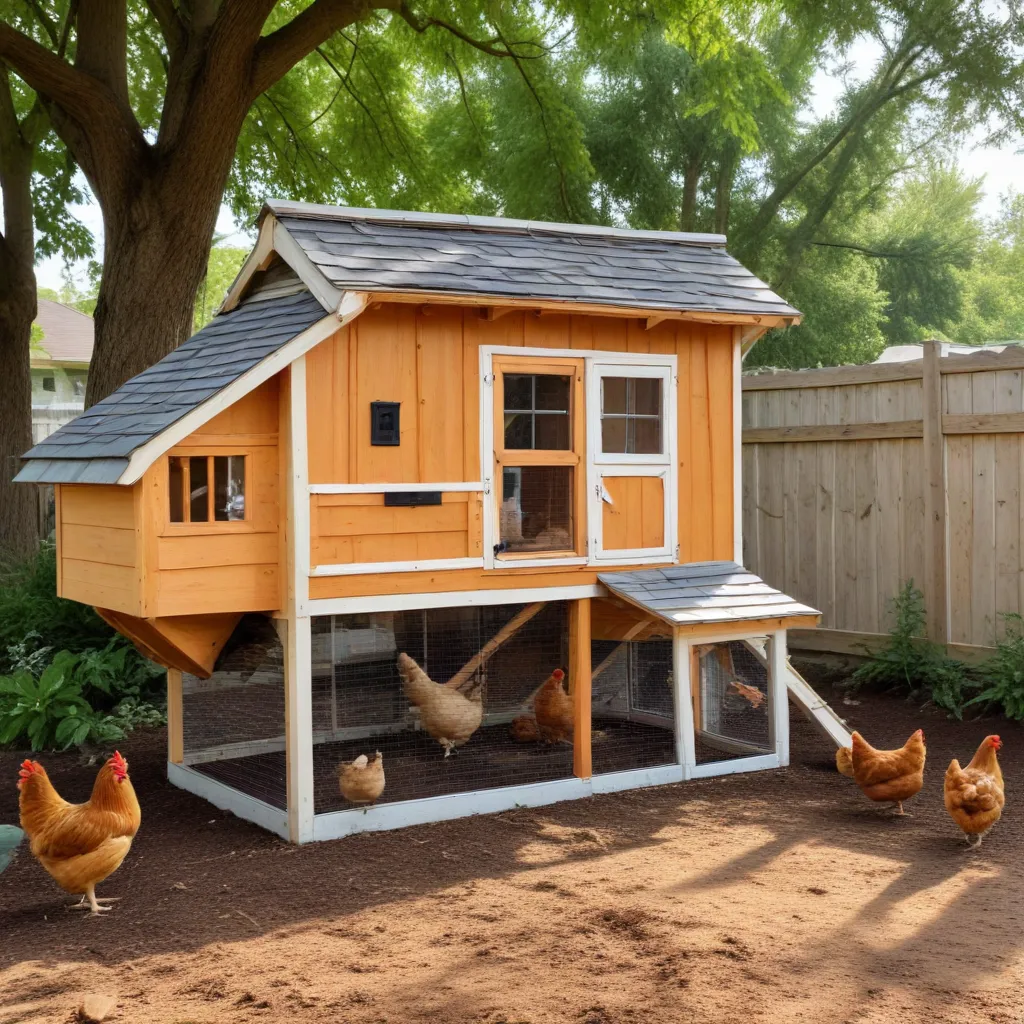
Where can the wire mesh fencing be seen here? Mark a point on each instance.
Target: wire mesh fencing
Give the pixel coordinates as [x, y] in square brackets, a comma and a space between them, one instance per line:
[733, 702]
[632, 705]
[427, 702]
[233, 723]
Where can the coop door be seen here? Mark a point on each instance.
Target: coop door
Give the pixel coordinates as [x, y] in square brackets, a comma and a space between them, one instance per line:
[632, 466]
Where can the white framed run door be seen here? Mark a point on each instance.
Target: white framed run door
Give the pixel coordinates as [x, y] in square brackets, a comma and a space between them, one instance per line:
[631, 427]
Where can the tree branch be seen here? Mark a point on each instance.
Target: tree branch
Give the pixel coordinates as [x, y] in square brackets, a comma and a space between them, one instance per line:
[103, 46]
[277, 53]
[171, 26]
[863, 250]
[489, 46]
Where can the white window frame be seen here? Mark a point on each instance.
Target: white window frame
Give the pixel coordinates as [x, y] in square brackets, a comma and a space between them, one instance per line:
[663, 465]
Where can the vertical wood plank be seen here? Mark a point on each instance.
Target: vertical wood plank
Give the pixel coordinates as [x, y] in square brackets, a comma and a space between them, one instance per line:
[825, 508]
[175, 729]
[846, 518]
[720, 417]
[935, 589]
[440, 367]
[322, 411]
[579, 658]
[700, 432]
[866, 521]
[983, 510]
[1008, 398]
[684, 442]
[471, 385]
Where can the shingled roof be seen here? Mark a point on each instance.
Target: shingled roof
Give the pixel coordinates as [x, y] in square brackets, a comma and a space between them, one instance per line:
[703, 592]
[95, 447]
[391, 251]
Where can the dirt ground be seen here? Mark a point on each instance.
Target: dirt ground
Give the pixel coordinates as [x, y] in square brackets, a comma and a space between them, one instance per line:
[775, 897]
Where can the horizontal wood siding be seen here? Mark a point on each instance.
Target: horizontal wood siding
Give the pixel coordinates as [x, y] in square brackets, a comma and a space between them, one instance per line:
[97, 546]
[427, 358]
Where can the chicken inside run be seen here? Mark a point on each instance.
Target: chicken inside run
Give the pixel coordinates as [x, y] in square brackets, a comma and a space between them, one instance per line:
[423, 703]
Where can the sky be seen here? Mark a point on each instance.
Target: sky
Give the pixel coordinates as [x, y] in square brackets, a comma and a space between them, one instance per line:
[1001, 171]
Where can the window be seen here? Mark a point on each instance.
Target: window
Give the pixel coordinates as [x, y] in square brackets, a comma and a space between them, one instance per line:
[631, 415]
[192, 499]
[538, 432]
[50, 384]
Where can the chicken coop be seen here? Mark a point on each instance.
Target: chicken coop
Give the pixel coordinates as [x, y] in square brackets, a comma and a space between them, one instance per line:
[440, 516]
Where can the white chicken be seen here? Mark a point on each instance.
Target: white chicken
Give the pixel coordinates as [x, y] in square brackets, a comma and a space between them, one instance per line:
[449, 716]
[362, 780]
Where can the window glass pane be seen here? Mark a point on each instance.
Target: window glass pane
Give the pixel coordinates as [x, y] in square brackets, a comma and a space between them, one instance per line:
[646, 439]
[176, 488]
[518, 430]
[518, 391]
[229, 488]
[536, 508]
[197, 505]
[613, 435]
[613, 392]
[552, 392]
[551, 432]
[647, 395]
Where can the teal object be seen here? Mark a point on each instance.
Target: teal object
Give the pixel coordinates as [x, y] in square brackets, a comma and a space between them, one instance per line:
[10, 839]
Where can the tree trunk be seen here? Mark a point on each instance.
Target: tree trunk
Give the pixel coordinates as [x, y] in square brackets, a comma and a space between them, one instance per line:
[688, 206]
[723, 186]
[19, 522]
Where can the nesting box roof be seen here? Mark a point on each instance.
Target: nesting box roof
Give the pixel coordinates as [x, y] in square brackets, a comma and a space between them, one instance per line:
[703, 592]
[496, 257]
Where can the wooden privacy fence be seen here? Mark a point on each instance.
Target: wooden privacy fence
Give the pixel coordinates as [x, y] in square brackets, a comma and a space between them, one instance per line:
[857, 478]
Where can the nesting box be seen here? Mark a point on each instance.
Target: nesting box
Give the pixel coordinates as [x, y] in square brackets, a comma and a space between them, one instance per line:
[439, 515]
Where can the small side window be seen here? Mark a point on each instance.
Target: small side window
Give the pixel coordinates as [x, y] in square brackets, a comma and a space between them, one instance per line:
[206, 488]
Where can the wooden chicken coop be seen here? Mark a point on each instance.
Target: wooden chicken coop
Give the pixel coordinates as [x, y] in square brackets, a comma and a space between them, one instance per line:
[440, 515]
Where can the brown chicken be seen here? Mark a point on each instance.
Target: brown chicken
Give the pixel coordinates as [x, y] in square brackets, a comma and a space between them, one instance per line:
[974, 795]
[449, 716]
[524, 729]
[889, 775]
[80, 844]
[844, 761]
[552, 707]
[362, 781]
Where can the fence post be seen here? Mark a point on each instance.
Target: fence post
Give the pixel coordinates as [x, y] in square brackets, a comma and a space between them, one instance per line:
[935, 547]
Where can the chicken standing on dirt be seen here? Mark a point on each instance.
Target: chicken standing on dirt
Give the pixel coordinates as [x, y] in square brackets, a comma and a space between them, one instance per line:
[362, 781]
[974, 795]
[80, 844]
[448, 715]
[889, 775]
[552, 707]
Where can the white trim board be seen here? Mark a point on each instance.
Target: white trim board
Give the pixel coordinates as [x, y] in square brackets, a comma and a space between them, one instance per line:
[450, 599]
[462, 486]
[734, 767]
[352, 304]
[273, 819]
[372, 568]
[737, 448]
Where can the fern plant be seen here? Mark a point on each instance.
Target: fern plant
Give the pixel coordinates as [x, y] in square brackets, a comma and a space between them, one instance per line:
[911, 663]
[1002, 675]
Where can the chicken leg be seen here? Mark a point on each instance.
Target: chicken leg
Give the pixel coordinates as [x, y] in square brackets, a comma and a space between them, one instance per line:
[93, 903]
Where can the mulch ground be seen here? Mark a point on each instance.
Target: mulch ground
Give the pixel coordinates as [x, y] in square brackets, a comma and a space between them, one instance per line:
[773, 897]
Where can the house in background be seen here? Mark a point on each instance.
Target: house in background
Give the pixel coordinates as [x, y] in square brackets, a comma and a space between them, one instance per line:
[60, 366]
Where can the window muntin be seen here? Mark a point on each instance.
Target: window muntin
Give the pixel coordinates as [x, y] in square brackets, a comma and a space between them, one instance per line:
[206, 488]
[537, 412]
[632, 414]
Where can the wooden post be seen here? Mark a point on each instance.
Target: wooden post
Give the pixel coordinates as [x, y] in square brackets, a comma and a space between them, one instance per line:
[682, 676]
[579, 676]
[935, 545]
[779, 706]
[175, 732]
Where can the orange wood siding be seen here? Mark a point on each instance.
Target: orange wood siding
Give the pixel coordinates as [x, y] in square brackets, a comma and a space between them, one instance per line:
[98, 546]
[427, 358]
[205, 568]
[636, 516]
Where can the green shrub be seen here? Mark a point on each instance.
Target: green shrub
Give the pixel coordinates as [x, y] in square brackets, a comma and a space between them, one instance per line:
[72, 698]
[913, 664]
[1002, 675]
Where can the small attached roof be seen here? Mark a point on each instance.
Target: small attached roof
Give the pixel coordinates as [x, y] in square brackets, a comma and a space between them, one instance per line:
[96, 446]
[703, 592]
[383, 251]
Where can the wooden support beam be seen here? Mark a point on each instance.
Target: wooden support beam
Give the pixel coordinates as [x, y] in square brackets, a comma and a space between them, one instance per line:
[935, 544]
[175, 718]
[505, 634]
[835, 432]
[492, 313]
[984, 423]
[580, 678]
[653, 321]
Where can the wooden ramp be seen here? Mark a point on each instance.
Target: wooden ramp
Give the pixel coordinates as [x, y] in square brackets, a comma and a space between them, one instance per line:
[817, 712]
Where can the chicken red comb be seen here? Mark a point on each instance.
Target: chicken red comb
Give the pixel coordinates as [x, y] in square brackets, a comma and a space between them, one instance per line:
[558, 674]
[119, 763]
[28, 768]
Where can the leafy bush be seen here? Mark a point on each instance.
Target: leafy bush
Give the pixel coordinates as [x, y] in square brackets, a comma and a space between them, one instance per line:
[94, 696]
[1002, 675]
[911, 663]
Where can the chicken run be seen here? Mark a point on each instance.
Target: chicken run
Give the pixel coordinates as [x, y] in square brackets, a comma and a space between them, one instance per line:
[426, 703]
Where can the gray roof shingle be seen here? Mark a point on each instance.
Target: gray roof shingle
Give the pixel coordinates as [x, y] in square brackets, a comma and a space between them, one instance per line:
[712, 592]
[95, 447]
[387, 250]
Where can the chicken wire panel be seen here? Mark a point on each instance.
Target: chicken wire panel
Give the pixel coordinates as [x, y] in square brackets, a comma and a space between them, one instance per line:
[233, 722]
[363, 702]
[733, 703]
[632, 705]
